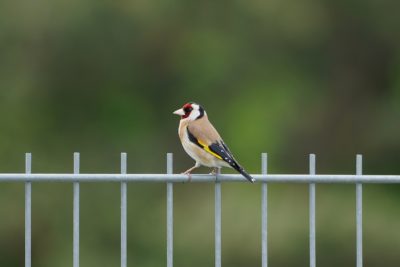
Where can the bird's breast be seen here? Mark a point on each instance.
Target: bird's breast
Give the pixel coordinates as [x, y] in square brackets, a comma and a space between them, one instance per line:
[182, 129]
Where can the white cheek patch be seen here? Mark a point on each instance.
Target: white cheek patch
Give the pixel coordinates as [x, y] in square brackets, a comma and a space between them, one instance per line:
[194, 114]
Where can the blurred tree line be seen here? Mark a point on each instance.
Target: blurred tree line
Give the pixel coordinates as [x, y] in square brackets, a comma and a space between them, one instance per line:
[284, 77]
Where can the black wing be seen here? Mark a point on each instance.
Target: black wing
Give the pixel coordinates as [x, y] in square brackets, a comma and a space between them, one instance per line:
[221, 149]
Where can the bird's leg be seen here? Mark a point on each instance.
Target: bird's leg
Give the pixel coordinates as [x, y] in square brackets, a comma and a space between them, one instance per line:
[214, 171]
[189, 171]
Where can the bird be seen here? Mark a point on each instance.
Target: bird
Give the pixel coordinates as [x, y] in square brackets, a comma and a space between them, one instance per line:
[202, 142]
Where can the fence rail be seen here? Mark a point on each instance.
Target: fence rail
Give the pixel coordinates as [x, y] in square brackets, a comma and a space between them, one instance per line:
[202, 178]
[169, 178]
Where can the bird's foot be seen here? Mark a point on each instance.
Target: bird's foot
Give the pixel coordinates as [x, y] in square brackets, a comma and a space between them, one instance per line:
[214, 171]
[189, 174]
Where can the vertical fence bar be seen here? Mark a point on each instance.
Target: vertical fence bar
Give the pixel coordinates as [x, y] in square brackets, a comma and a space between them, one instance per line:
[28, 211]
[170, 214]
[359, 213]
[218, 221]
[76, 214]
[124, 218]
[312, 212]
[264, 213]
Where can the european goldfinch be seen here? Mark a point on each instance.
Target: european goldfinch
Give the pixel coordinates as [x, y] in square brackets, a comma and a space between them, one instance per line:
[202, 142]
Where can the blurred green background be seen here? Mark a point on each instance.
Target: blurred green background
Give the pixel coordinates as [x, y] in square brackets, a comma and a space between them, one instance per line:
[284, 77]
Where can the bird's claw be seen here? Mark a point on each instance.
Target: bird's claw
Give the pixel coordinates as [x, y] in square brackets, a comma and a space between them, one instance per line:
[189, 174]
[213, 172]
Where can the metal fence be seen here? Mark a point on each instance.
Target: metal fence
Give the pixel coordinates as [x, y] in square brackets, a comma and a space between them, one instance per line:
[169, 178]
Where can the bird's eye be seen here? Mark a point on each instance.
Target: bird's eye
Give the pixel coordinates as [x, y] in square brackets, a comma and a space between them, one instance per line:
[187, 109]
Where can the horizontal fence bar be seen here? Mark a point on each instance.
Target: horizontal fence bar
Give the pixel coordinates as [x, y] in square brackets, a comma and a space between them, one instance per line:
[270, 178]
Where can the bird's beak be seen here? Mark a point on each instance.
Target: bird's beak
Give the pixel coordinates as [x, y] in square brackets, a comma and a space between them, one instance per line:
[179, 112]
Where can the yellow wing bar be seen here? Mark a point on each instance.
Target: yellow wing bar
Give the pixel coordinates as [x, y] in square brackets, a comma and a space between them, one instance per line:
[206, 148]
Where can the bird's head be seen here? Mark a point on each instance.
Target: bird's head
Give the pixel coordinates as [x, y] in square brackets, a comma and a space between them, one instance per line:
[190, 111]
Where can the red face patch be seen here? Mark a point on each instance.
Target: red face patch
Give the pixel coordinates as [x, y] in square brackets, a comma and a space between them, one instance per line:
[187, 108]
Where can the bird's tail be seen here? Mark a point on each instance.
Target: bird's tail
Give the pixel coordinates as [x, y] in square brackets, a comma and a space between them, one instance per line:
[246, 175]
[235, 165]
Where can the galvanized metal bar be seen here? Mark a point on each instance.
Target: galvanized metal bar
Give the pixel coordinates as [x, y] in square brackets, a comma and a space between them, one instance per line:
[170, 213]
[359, 213]
[202, 178]
[28, 212]
[264, 213]
[124, 218]
[76, 213]
[218, 260]
[312, 212]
